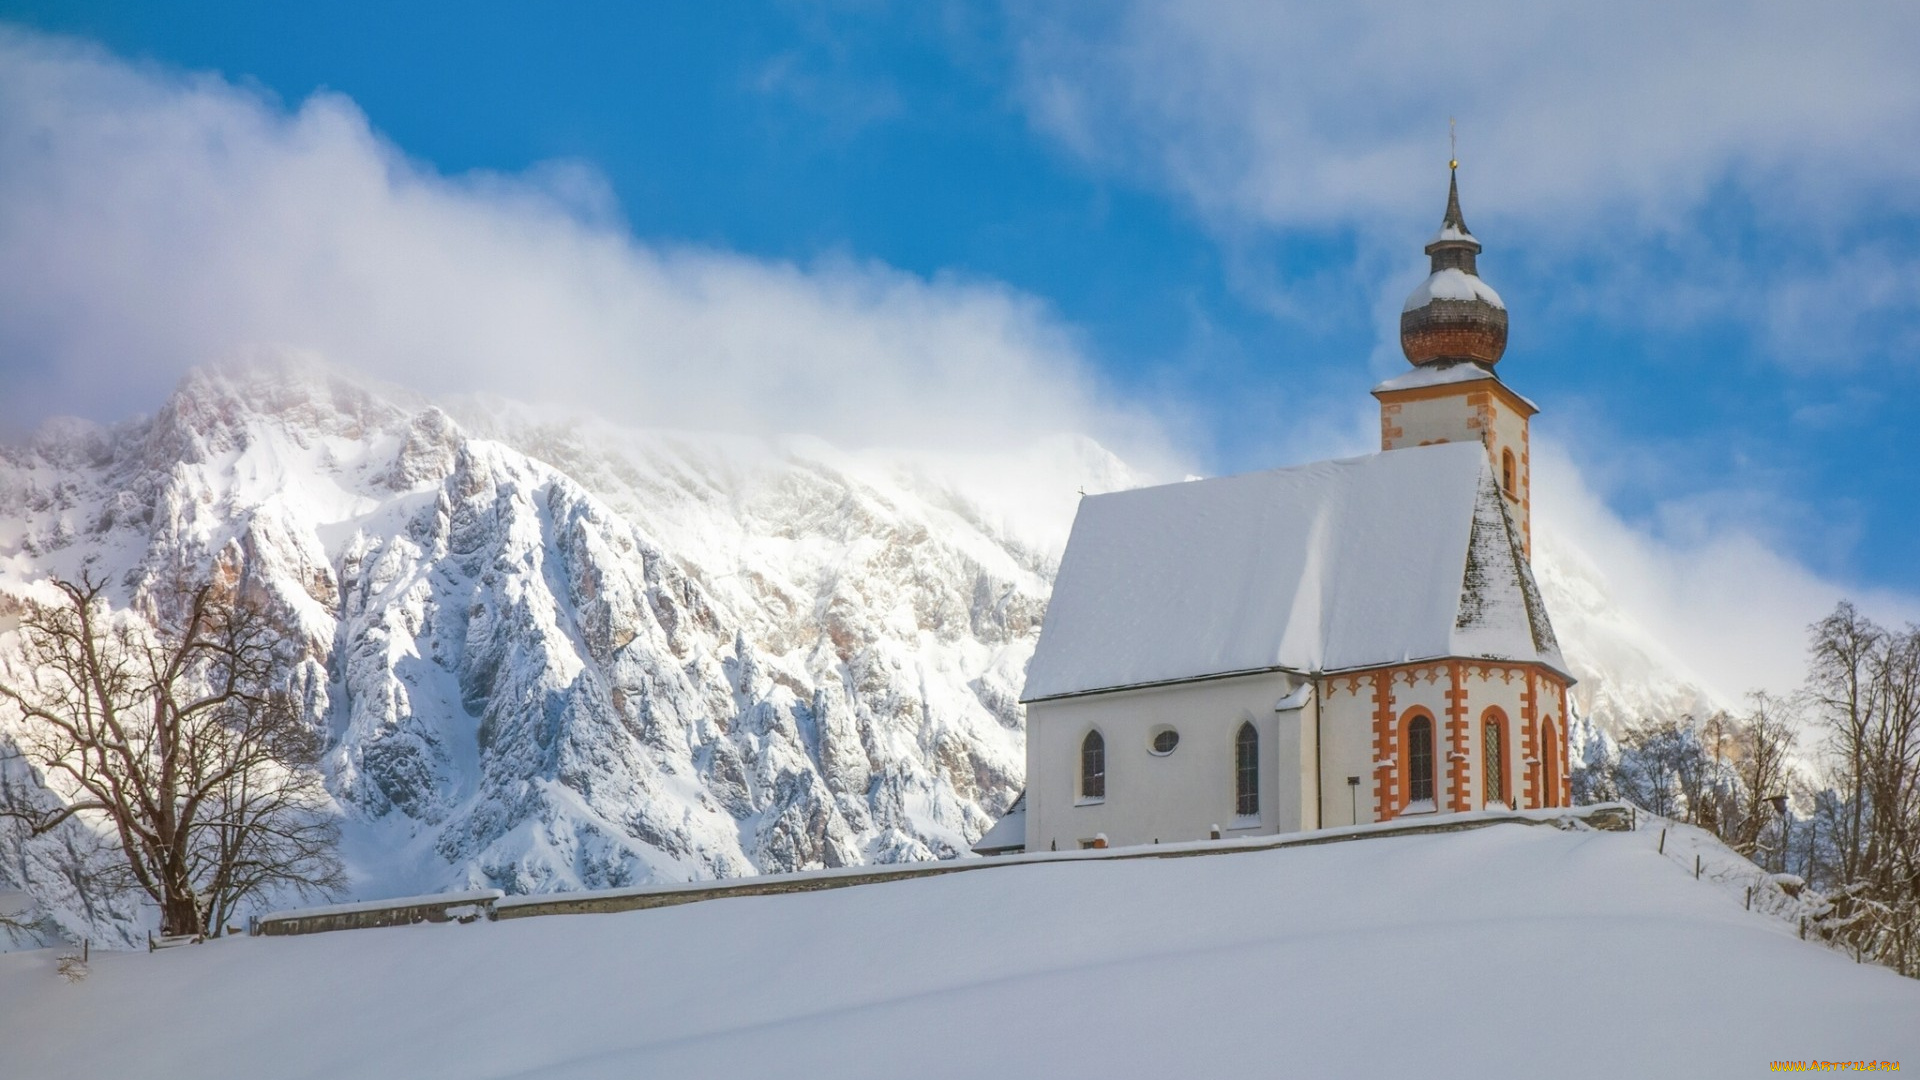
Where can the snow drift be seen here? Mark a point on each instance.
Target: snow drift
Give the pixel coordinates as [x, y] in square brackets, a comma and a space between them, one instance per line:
[1506, 951]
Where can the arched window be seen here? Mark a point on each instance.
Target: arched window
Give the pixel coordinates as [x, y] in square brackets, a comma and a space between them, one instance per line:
[1246, 772]
[1093, 766]
[1509, 476]
[1420, 759]
[1493, 750]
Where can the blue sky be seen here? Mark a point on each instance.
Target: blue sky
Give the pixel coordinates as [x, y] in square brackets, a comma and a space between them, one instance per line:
[1197, 217]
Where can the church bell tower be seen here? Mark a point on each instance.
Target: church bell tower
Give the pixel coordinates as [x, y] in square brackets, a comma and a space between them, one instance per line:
[1453, 330]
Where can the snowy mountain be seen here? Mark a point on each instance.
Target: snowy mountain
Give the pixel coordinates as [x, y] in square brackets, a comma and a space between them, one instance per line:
[557, 654]
[1625, 673]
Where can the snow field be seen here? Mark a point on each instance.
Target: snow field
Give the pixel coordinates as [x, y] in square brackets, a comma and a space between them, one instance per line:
[1508, 950]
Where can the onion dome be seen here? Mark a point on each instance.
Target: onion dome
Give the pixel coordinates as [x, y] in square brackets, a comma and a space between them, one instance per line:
[1453, 316]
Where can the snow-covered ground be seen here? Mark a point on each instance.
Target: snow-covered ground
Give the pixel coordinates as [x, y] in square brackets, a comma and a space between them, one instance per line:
[1505, 951]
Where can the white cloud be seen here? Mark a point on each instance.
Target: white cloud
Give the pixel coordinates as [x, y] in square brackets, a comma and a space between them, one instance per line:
[1640, 138]
[151, 221]
[1705, 581]
[1304, 113]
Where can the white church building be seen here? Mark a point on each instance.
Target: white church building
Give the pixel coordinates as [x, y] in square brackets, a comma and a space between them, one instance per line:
[1339, 643]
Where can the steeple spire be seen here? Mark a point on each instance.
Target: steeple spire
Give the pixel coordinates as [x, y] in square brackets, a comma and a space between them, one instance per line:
[1453, 247]
[1453, 217]
[1453, 315]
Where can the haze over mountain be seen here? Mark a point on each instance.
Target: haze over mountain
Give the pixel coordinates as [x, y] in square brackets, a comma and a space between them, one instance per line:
[557, 654]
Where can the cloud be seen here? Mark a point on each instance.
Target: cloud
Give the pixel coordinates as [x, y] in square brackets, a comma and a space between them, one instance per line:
[1301, 113]
[151, 221]
[1639, 134]
[1705, 579]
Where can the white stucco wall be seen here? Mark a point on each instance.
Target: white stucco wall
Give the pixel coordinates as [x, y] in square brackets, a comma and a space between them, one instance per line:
[1346, 749]
[1171, 798]
[1181, 795]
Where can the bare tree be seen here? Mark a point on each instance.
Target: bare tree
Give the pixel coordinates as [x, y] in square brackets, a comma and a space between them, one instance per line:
[1865, 684]
[1761, 740]
[1663, 767]
[174, 737]
[1840, 682]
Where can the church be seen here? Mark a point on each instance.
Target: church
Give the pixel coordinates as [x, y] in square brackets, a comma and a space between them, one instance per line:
[1338, 643]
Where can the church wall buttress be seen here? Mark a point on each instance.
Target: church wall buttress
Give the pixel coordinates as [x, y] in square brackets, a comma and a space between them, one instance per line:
[1530, 791]
[1459, 763]
[1386, 748]
[1566, 742]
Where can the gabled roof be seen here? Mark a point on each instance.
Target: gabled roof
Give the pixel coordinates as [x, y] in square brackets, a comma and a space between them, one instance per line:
[1338, 565]
[1007, 834]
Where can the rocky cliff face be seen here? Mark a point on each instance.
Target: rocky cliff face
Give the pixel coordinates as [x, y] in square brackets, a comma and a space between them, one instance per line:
[554, 655]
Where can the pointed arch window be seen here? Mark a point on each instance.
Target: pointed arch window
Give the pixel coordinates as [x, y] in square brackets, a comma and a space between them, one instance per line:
[1509, 475]
[1420, 760]
[1093, 766]
[1494, 757]
[1246, 771]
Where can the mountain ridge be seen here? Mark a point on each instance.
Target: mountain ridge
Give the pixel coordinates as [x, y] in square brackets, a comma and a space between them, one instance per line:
[554, 653]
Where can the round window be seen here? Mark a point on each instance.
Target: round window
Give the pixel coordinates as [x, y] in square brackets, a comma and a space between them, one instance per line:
[1165, 740]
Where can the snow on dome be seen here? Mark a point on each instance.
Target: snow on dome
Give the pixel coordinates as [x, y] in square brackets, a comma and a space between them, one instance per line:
[1450, 232]
[1451, 284]
[1337, 565]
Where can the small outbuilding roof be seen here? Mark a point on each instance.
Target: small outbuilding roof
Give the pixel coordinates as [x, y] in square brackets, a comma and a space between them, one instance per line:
[1007, 834]
[1339, 565]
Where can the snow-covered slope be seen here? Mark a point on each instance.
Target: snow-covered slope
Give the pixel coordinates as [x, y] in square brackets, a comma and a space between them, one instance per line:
[1507, 951]
[557, 654]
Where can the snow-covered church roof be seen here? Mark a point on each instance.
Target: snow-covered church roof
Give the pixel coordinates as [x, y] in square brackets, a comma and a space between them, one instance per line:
[1339, 565]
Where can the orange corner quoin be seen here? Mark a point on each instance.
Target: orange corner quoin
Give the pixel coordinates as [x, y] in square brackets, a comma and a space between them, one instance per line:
[1175, 625]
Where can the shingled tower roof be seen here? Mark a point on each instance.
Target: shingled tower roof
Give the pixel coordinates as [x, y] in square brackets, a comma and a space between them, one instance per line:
[1453, 315]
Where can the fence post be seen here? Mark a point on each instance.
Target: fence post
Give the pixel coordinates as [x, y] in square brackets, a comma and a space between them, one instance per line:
[1696, 868]
[1663, 841]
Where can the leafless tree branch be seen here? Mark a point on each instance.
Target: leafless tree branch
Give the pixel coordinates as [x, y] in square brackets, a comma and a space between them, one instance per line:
[174, 735]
